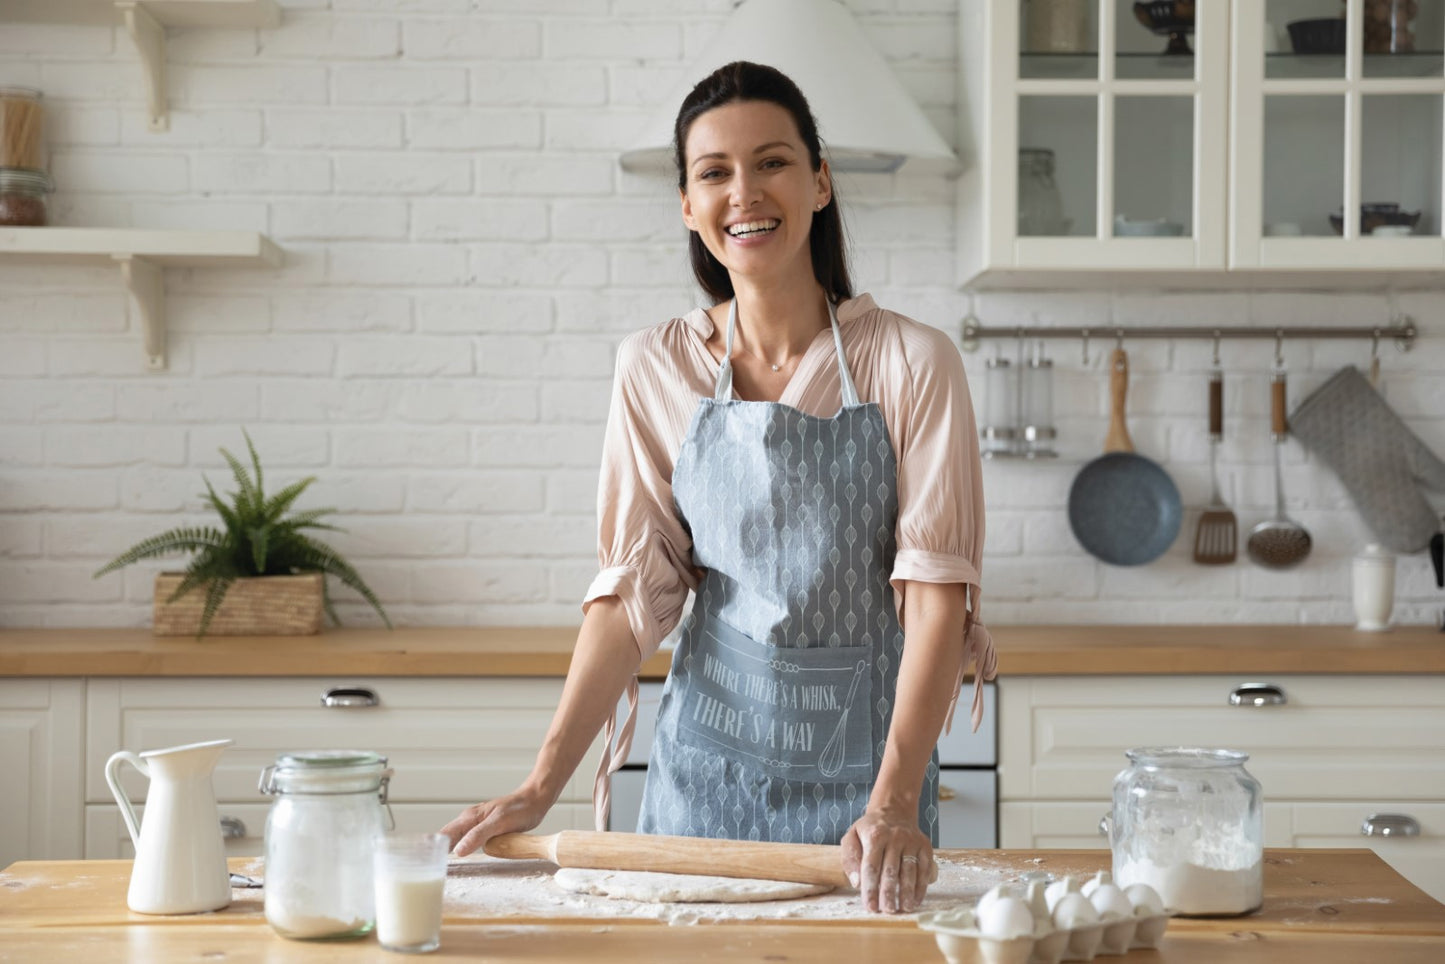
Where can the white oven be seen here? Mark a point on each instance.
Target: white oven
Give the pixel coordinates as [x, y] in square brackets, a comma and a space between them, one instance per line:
[967, 787]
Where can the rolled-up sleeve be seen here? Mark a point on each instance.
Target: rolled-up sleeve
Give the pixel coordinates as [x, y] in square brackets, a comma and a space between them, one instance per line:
[940, 490]
[643, 550]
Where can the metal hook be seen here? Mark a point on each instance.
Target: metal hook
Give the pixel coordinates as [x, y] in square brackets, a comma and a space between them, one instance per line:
[1217, 336]
[1085, 354]
[1375, 345]
[1119, 338]
[1279, 348]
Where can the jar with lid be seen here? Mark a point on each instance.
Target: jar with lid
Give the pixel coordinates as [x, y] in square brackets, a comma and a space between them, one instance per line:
[1056, 26]
[1041, 206]
[1389, 26]
[22, 197]
[999, 432]
[1037, 409]
[22, 128]
[320, 836]
[1189, 822]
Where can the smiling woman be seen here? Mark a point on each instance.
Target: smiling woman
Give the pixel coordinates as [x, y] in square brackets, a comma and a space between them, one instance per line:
[807, 463]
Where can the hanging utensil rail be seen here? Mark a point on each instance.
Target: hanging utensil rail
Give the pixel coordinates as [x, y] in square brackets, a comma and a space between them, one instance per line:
[1401, 333]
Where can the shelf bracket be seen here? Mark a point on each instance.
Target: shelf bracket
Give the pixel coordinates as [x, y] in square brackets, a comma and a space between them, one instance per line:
[145, 283]
[150, 42]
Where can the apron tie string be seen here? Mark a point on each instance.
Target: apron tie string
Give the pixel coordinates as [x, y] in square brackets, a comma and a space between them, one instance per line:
[613, 759]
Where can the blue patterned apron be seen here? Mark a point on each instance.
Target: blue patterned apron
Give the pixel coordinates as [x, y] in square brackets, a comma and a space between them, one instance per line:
[775, 714]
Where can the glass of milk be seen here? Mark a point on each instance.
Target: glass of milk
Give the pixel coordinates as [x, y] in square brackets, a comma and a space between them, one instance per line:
[410, 871]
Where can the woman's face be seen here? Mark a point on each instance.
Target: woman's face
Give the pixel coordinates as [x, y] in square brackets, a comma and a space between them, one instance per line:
[751, 191]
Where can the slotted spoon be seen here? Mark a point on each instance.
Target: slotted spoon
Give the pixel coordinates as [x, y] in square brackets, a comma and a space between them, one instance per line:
[1280, 542]
[1217, 534]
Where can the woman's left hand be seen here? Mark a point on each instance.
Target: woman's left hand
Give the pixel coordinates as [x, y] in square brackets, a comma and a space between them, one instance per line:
[889, 860]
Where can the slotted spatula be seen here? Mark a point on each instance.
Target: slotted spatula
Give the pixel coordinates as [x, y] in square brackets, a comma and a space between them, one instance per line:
[1217, 536]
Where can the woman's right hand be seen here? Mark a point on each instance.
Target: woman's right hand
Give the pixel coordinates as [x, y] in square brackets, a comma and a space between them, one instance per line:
[517, 812]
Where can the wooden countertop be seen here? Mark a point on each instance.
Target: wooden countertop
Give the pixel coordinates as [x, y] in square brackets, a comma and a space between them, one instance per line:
[1320, 906]
[546, 651]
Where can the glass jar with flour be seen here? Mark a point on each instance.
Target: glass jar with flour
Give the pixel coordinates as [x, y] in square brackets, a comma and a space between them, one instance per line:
[1189, 822]
[327, 812]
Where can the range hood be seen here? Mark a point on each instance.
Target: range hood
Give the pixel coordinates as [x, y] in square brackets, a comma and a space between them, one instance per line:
[867, 121]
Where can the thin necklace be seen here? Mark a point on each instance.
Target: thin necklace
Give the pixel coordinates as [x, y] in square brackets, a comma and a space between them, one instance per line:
[776, 368]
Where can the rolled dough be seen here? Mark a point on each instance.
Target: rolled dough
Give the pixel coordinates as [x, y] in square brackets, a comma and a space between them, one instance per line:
[684, 888]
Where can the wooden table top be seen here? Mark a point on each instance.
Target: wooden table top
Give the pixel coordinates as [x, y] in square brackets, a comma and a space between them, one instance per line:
[547, 651]
[1321, 906]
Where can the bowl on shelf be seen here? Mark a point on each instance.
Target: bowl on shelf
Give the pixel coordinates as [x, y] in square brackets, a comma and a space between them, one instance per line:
[1325, 35]
[1168, 18]
[1140, 228]
[1384, 214]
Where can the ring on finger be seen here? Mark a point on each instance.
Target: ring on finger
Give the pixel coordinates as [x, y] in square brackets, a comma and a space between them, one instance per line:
[909, 859]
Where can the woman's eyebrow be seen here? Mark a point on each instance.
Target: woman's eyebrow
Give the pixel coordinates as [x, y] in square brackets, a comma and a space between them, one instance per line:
[718, 155]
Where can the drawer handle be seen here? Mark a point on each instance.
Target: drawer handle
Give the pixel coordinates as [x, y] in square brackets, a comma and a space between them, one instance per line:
[350, 696]
[232, 828]
[1257, 694]
[1390, 825]
[946, 793]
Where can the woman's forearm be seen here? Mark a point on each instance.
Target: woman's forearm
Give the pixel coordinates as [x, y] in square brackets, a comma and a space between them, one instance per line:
[934, 615]
[605, 658]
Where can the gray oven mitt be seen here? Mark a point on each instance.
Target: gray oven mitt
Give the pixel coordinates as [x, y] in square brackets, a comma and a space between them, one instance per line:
[1381, 462]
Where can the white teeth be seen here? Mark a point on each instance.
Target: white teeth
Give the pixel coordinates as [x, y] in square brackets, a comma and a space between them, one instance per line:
[749, 228]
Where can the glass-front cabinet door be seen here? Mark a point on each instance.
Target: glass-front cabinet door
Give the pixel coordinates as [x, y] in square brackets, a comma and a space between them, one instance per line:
[1105, 142]
[1337, 134]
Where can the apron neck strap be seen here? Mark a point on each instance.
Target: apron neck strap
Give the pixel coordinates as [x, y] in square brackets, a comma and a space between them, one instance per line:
[724, 389]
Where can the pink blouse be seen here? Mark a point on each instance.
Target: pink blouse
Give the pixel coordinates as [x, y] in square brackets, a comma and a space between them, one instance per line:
[914, 374]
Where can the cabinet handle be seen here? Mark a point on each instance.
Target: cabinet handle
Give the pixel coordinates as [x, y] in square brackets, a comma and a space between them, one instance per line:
[232, 828]
[946, 793]
[350, 696]
[1390, 825]
[1257, 694]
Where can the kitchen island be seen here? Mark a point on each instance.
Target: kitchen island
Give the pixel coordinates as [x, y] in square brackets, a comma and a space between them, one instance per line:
[1320, 906]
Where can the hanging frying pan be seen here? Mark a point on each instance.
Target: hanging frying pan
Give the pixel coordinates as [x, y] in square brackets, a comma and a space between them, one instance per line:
[1123, 508]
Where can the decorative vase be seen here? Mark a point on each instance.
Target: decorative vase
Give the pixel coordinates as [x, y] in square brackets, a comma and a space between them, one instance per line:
[259, 606]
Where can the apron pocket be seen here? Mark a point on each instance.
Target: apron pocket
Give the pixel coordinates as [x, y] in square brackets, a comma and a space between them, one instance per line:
[797, 713]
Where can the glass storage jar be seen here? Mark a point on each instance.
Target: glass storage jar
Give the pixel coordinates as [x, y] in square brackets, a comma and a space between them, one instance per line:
[22, 197]
[1389, 26]
[1041, 206]
[22, 128]
[1189, 822]
[319, 839]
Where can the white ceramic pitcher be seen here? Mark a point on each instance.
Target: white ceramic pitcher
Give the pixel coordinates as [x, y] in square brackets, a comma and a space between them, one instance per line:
[180, 858]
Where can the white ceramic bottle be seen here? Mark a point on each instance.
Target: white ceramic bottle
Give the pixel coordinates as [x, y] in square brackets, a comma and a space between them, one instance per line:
[1374, 588]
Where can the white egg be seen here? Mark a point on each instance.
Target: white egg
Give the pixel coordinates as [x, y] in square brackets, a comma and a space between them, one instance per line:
[1005, 918]
[1074, 910]
[1002, 890]
[1111, 903]
[1095, 882]
[1057, 889]
[1146, 900]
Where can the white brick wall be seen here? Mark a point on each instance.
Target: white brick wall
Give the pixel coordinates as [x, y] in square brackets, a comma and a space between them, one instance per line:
[463, 256]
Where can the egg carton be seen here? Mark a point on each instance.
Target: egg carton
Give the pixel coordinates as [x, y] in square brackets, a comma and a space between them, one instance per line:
[1045, 923]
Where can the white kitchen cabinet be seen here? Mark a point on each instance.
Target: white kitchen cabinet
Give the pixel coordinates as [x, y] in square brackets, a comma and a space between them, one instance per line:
[1228, 157]
[41, 755]
[1336, 750]
[451, 742]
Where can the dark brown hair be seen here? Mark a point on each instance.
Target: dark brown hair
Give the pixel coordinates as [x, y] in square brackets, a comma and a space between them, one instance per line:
[743, 81]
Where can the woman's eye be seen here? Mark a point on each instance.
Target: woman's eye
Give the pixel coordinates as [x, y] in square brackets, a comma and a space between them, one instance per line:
[711, 174]
[773, 162]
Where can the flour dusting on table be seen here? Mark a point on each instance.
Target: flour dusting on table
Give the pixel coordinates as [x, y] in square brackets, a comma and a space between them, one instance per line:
[492, 887]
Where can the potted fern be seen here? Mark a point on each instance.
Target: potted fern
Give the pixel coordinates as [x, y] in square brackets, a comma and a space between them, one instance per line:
[259, 574]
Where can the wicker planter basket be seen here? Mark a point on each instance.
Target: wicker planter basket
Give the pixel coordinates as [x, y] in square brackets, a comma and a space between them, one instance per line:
[263, 606]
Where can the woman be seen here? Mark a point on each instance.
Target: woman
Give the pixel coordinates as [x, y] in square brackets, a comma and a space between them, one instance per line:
[807, 463]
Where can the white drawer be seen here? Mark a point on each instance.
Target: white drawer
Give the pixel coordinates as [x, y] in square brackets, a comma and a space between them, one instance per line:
[1334, 738]
[1420, 859]
[106, 836]
[446, 739]
[961, 747]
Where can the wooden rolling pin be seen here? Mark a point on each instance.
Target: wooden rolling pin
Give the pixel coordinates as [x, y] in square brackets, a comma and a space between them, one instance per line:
[804, 863]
